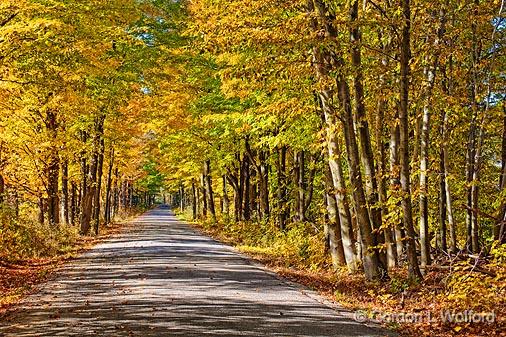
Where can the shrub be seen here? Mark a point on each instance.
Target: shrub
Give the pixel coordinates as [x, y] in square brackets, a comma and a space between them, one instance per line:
[23, 238]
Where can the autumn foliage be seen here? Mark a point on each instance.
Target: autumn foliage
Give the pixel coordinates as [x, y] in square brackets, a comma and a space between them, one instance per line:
[358, 146]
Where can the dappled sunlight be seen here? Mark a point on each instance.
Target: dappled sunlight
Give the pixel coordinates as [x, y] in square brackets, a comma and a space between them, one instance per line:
[162, 278]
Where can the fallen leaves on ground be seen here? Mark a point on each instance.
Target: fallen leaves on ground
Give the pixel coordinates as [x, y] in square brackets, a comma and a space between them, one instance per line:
[18, 278]
[429, 299]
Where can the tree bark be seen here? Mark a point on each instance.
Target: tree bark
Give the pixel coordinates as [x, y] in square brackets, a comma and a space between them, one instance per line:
[65, 191]
[392, 258]
[100, 167]
[226, 200]
[245, 189]
[253, 194]
[442, 204]
[209, 189]
[310, 184]
[235, 183]
[282, 193]
[262, 173]
[73, 202]
[325, 61]
[499, 232]
[430, 76]
[413, 268]
[115, 194]
[91, 180]
[362, 126]
[372, 265]
[301, 184]
[448, 88]
[395, 184]
[194, 201]
[41, 209]
[108, 189]
[425, 259]
[263, 176]
[333, 226]
[52, 170]
[473, 154]
[2, 189]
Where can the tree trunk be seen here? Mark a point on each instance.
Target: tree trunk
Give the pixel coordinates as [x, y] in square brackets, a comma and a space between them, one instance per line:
[52, 191]
[425, 258]
[333, 226]
[382, 173]
[295, 183]
[301, 185]
[499, 232]
[84, 164]
[209, 189]
[2, 189]
[325, 61]
[98, 190]
[108, 188]
[382, 183]
[52, 170]
[395, 185]
[472, 148]
[413, 268]
[65, 191]
[362, 126]
[181, 197]
[245, 189]
[226, 200]
[263, 176]
[430, 75]
[310, 185]
[448, 88]
[253, 193]
[372, 265]
[203, 198]
[41, 209]
[194, 201]
[91, 186]
[235, 183]
[116, 192]
[282, 195]
[73, 202]
[423, 202]
[442, 204]
[343, 206]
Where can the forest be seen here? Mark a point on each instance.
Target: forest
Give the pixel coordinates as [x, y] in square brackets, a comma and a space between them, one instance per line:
[342, 142]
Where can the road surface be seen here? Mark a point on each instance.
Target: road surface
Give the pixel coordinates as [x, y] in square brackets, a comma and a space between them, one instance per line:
[163, 278]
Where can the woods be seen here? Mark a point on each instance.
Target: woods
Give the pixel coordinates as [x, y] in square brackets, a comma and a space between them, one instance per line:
[68, 133]
[372, 134]
[403, 110]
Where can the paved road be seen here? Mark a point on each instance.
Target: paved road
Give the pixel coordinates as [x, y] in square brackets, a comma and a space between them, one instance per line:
[165, 279]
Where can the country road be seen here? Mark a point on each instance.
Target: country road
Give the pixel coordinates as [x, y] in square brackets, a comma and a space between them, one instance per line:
[163, 278]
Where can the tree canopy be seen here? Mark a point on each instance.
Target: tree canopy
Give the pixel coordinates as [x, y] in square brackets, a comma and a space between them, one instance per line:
[380, 125]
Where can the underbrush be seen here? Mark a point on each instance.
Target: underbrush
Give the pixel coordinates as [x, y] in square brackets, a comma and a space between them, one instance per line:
[30, 251]
[23, 238]
[300, 245]
[462, 287]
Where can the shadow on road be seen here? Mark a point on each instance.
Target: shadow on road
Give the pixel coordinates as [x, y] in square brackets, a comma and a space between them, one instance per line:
[164, 279]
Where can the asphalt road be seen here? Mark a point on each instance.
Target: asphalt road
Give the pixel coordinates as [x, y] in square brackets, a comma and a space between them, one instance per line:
[163, 278]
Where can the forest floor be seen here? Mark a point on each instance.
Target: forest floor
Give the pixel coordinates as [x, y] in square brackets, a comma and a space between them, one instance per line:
[459, 303]
[161, 277]
[20, 278]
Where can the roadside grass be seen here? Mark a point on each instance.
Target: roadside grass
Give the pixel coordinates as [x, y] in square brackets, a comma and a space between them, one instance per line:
[428, 308]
